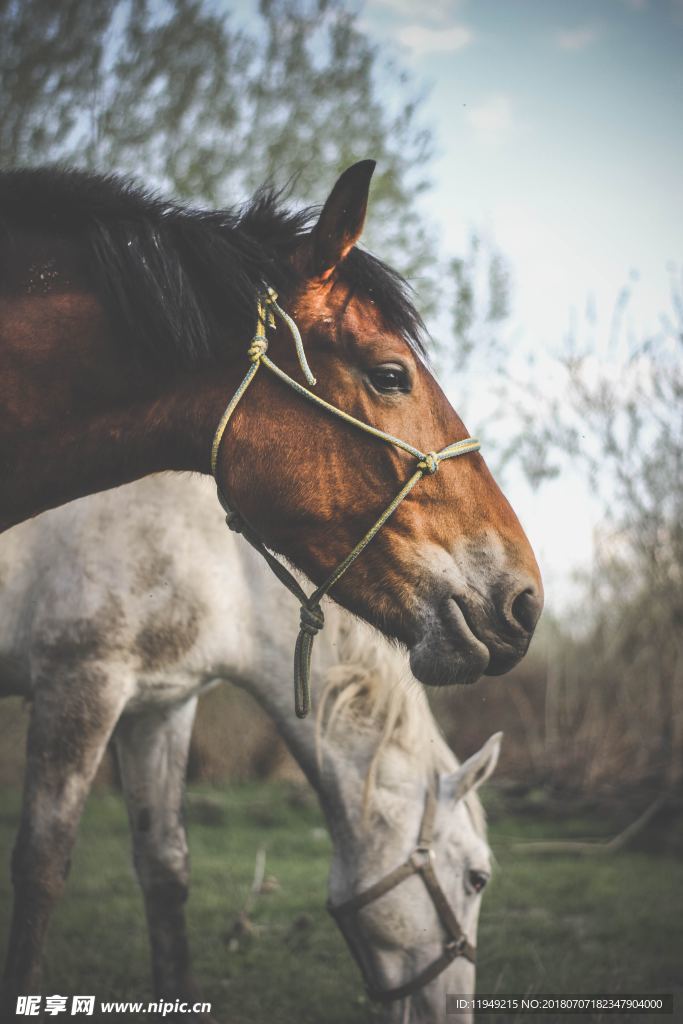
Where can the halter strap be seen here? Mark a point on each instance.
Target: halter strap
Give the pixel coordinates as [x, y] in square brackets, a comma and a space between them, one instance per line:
[312, 618]
[420, 862]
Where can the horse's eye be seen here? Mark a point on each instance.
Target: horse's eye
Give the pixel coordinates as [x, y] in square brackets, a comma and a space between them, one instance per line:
[389, 379]
[478, 880]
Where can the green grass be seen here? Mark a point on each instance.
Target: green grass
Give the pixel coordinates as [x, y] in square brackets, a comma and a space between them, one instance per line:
[549, 924]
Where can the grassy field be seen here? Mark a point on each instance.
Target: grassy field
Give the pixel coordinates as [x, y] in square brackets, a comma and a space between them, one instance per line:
[560, 924]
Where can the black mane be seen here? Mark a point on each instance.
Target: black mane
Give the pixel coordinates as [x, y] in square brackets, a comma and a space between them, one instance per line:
[176, 278]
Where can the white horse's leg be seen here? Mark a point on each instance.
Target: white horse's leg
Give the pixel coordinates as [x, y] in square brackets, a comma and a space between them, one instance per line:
[153, 747]
[72, 717]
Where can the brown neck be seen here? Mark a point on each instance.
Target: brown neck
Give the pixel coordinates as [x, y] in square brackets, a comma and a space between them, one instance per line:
[64, 461]
[79, 413]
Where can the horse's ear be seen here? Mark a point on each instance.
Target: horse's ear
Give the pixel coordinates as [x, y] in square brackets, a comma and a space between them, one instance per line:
[341, 221]
[474, 771]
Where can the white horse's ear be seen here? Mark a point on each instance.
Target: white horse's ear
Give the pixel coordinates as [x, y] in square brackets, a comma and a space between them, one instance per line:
[474, 771]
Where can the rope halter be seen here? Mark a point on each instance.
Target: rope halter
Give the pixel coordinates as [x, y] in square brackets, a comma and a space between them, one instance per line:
[312, 619]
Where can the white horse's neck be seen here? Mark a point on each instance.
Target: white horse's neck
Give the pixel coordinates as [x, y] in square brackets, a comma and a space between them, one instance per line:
[373, 734]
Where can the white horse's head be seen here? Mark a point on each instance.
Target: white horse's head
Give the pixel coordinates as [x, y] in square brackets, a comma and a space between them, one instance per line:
[390, 785]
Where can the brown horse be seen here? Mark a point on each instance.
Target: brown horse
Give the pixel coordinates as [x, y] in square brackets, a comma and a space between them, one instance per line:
[124, 326]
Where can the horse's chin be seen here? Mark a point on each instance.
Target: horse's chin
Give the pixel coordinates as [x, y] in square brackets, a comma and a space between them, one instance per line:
[428, 1005]
[436, 661]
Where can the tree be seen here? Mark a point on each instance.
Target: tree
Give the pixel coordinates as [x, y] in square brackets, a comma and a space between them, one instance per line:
[481, 304]
[607, 703]
[623, 418]
[480, 353]
[181, 97]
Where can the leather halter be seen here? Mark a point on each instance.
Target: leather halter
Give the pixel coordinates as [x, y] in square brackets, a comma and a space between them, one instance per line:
[312, 618]
[420, 862]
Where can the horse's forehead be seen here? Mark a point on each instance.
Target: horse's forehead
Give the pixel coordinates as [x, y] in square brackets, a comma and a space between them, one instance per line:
[458, 832]
[337, 307]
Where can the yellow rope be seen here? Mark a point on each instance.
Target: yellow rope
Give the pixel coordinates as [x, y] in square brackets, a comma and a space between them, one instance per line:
[312, 617]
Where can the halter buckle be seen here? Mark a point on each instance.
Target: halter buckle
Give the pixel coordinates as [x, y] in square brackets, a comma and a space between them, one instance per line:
[455, 947]
[421, 856]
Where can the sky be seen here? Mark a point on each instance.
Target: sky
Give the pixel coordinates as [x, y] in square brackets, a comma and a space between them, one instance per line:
[557, 126]
[557, 132]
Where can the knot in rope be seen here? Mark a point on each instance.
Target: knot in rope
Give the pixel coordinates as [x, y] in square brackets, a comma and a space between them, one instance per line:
[311, 620]
[258, 348]
[234, 520]
[430, 463]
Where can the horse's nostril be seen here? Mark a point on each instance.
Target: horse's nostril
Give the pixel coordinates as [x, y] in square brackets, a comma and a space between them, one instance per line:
[526, 609]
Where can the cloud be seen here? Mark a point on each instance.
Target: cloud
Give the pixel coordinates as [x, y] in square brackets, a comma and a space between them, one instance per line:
[492, 121]
[574, 39]
[439, 12]
[423, 40]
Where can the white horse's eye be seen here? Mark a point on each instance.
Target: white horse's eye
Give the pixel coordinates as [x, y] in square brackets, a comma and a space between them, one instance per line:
[477, 880]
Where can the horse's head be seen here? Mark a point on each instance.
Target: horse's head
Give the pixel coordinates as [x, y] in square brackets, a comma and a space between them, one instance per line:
[399, 924]
[451, 574]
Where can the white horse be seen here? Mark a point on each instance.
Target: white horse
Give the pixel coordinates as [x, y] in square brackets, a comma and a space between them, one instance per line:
[117, 611]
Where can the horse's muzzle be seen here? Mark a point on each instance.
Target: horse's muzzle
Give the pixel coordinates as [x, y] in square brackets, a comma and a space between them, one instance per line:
[471, 634]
